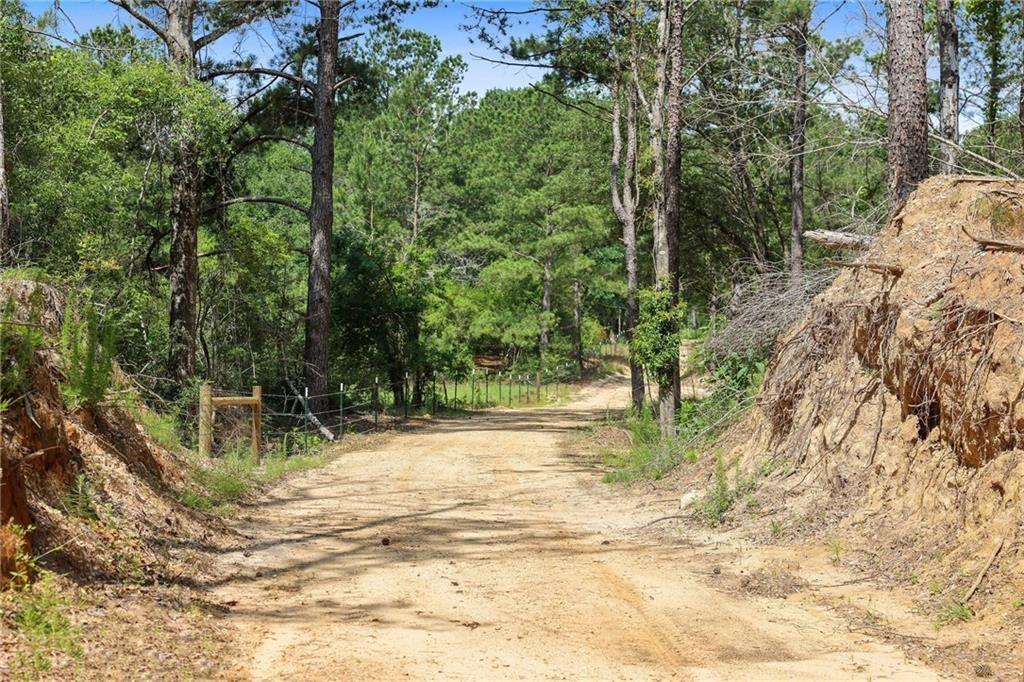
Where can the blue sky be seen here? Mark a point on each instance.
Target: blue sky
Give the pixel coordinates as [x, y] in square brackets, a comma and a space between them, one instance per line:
[841, 19]
[444, 22]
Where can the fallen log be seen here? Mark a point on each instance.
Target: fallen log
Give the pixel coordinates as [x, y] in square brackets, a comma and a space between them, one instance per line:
[324, 431]
[880, 268]
[841, 240]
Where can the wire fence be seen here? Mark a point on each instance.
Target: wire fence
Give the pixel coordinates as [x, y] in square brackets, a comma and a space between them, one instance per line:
[290, 420]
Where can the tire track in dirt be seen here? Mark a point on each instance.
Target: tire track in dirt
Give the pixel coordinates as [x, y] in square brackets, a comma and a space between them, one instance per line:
[505, 559]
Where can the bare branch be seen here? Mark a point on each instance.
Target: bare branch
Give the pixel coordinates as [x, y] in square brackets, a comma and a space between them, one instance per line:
[141, 17]
[260, 71]
[279, 201]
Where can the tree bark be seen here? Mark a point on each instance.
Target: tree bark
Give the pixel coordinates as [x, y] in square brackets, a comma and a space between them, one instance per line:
[1020, 102]
[666, 261]
[5, 204]
[185, 194]
[624, 202]
[577, 324]
[321, 207]
[908, 99]
[949, 85]
[545, 309]
[796, 156]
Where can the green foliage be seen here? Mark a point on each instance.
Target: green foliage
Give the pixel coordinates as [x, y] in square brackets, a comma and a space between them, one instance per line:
[649, 456]
[80, 500]
[161, 428]
[88, 350]
[227, 480]
[721, 497]
[835, 549]
[656, 338]
[20, 339]
[954, 612]
[41, 621]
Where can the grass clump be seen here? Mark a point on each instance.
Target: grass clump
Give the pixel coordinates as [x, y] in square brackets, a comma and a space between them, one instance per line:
[38, 613]
[225, 481]
[649, 457]
[955, 612]
[721, 497]
[161, 428]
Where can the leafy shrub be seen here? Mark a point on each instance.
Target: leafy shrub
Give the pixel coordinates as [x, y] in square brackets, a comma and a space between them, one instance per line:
[656, 336]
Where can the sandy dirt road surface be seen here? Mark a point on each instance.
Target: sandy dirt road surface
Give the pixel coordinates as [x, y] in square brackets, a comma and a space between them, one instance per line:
[506, 558]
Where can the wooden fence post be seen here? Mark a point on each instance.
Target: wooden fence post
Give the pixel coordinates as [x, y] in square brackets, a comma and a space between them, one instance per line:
[205, 419]
[257, 421]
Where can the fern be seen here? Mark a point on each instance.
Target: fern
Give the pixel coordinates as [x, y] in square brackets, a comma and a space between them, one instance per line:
[89, 357]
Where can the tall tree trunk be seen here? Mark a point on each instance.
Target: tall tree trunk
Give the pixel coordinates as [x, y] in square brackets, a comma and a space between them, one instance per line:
[545, 309]
[666, 238]
[995, 79]
[5, 204]
[577, 323]
[949, 85]
[184, 265]
[185, 195]
[908, 99]
[321, 208]
[624, 202]
[1020, 102]
[796, 156]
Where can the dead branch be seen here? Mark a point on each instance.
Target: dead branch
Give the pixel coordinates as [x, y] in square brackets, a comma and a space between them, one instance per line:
[989, 244]
[880, 268]
[984, 570]
[841, 240]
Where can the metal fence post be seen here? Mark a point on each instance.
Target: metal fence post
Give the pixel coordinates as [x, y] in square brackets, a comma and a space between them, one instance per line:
[305, 421]
[487, 388]
[376, 401]
[472, 389]
[405, 395]
[341, 410]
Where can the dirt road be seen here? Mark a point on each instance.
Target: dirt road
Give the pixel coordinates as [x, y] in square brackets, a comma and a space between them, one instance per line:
[478, 549]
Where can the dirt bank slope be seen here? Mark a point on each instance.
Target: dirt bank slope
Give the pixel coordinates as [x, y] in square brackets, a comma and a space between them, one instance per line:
[894, 408]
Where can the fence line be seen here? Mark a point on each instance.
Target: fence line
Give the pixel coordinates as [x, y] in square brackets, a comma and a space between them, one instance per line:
[284, 416]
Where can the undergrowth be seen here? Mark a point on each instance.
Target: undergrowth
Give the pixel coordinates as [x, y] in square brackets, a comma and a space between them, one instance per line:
[721, 497]
[37, 610]
[223, 482]
[733, 383]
